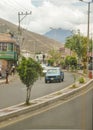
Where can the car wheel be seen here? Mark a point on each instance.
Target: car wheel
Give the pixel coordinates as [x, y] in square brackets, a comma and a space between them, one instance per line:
[59, 80]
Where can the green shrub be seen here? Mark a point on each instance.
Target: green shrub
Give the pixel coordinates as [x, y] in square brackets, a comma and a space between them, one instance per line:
[81, 80]
[73, 86]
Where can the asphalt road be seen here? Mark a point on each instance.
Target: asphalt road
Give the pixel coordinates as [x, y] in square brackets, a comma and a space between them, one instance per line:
[15, 92]
[75, 114]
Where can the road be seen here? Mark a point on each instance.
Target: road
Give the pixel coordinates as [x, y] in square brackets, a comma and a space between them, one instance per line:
[76, 114]
[15, 92]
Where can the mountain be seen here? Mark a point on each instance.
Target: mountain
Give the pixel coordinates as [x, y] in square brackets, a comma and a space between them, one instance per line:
[58, 34]
[29, 41]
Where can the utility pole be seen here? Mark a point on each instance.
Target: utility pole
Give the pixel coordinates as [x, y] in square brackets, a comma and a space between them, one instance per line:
[21, 18]
[88, 30]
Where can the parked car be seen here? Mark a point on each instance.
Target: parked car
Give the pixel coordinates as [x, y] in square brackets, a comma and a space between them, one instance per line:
[54, 75]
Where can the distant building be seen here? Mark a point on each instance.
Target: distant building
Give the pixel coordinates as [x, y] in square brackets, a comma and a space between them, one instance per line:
[42, 57]
[65, 52]
[9, 51]
[26, 54]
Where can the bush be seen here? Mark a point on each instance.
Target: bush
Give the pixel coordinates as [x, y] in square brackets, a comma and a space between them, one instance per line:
[73, 86]
[81, 80]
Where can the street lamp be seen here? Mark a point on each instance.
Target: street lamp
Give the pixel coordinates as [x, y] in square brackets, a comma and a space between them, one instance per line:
[88, 27]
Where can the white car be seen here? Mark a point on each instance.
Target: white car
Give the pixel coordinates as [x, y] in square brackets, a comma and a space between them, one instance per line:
[45, 68]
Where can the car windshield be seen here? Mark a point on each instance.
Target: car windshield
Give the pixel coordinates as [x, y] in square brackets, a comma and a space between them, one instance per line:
[53, 71]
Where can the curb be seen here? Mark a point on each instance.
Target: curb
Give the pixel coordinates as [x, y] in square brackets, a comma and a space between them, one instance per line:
[38, 103]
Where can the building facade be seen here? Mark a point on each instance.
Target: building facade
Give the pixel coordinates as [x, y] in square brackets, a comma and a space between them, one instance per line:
[9, 51]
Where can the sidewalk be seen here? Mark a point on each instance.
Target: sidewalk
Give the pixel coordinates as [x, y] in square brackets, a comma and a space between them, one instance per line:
[10, 78]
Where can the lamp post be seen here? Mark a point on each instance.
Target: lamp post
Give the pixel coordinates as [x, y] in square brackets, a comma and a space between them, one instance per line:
[88, 29]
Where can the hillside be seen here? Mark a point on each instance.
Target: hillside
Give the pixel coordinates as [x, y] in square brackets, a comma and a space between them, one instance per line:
[30, 41]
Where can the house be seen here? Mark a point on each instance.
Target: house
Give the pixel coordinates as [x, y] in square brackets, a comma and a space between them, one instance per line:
[9, 51]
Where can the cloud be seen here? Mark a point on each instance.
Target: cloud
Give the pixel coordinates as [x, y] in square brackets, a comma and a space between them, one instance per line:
[68, 14]
[65, 16]
[9, 9]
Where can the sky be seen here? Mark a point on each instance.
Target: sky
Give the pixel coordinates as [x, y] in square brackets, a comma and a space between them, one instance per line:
[65, 14]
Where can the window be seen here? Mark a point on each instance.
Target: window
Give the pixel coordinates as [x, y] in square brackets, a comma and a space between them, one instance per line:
[0, 46]
[4, 47]
[10, 46]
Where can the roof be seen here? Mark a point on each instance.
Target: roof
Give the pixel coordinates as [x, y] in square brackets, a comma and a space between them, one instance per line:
[6, 38]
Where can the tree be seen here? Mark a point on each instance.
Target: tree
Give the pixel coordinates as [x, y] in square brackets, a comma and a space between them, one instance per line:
[29, 71]
[55, 57]
[71, 61]
[67, 60]
[74, 43]
[62, 64]
[78, 44]
[51, 61]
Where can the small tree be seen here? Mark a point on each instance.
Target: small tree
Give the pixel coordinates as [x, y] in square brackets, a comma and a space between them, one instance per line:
[55, 57]
[29, 71]
[51, 62]
[71, 61]
[62, 64]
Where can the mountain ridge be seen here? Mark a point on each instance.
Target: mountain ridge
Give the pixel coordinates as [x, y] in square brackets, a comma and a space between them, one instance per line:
[59, 35]
[30, 41]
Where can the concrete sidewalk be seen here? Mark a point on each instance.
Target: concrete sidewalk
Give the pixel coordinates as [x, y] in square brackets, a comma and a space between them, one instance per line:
[10, 78]
[36, 104]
